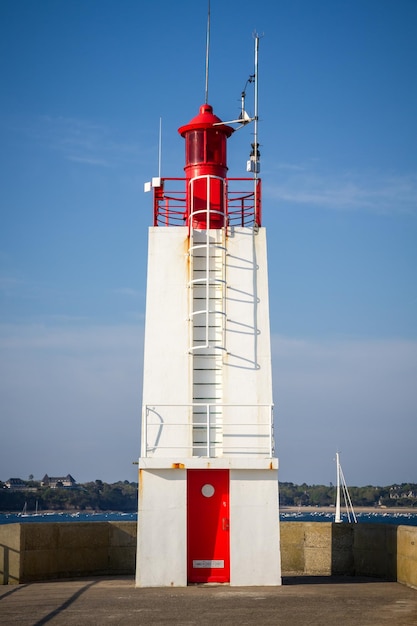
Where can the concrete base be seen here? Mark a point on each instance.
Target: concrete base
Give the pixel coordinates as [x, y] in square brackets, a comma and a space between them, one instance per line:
[254, 522]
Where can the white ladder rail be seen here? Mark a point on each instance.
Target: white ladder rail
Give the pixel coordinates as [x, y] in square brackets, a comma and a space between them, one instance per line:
[207, 323]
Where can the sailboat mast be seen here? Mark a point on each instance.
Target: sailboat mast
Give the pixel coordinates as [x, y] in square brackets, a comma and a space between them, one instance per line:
[341, 483]
[337, 518]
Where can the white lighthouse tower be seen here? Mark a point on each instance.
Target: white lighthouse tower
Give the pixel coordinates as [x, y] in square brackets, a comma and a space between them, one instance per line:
[208, 476]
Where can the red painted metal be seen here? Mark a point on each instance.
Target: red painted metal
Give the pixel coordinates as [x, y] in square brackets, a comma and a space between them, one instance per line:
[208, 536]
[205, 168]
[241, 204]
[208, 199]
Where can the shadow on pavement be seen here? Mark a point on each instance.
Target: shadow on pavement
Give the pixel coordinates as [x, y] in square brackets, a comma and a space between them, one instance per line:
[65, 604]
[329, 580]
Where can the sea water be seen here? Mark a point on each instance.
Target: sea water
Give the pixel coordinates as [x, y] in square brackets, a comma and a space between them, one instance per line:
[377, 517]
[374, 517]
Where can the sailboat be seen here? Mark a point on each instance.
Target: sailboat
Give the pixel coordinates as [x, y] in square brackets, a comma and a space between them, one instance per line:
[24, 512]
[341, 485]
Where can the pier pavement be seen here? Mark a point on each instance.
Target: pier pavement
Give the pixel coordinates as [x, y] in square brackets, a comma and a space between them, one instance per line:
[306, 601]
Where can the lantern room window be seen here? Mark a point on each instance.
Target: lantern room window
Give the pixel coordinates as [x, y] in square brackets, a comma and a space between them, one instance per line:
[205, 146]
[194, 146]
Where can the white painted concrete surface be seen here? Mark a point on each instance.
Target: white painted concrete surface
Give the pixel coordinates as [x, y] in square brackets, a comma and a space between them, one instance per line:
[166, 377]
[246, 378]
[254, 528]
[246, 399]
[162, 541]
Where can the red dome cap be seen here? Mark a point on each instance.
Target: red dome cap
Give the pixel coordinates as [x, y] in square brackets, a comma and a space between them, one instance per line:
[206, 119]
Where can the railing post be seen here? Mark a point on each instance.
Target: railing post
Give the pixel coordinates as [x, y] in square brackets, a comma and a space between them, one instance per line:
[155, 208]
[208, 429]
[264, 437]
[145, 410]
[258, 206]
[226, 202]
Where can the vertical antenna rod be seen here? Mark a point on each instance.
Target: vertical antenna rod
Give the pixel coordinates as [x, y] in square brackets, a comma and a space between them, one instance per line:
[255, 132]
[160, 147]
[207, 51]
[256, 104]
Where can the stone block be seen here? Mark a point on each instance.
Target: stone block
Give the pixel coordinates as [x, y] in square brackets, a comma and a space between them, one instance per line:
[292, 533]
[318, 561]
[342, 536]
[317, 548]
[39, 565]
[122, 560]
[83, 535]
[407, 555]
[122, 534]
[342, 550]
[375, 550]
[407, 542]
[292, 548]
[10, 535]
[10, 549]
[82, 561]
[40, 536]
[318, 535]
[292, 560]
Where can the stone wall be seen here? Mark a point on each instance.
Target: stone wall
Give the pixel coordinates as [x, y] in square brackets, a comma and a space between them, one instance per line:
[326, 549]
[41, 551]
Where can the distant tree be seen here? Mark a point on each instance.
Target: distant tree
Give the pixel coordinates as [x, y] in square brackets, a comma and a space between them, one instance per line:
[122, 496]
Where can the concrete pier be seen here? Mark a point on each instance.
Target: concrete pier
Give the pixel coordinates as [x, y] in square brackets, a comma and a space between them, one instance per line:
[298, 602]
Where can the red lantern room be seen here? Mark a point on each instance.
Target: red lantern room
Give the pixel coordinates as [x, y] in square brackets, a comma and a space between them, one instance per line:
[205, 169]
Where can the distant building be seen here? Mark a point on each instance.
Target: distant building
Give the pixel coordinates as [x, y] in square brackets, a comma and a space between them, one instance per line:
[15, 484]
[56, 482]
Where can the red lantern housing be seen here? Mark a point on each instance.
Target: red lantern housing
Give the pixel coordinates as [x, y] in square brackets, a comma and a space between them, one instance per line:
[205, 169]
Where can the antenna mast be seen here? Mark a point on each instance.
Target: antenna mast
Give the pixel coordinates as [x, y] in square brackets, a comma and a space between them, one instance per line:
[256, 108]
[160, 148]
[207, 52]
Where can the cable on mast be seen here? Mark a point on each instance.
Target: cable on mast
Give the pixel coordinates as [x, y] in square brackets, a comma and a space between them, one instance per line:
[253, 165]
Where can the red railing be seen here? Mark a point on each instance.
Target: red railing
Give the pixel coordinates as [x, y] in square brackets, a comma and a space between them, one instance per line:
[242, 204]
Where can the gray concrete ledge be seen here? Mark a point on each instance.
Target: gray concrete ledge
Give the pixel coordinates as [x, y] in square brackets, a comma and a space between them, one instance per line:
[45, 551]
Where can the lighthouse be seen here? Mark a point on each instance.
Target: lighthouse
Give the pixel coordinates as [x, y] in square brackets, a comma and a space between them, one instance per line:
[208, 474]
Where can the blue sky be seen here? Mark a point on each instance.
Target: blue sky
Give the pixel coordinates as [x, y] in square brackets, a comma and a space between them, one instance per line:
[84, 84]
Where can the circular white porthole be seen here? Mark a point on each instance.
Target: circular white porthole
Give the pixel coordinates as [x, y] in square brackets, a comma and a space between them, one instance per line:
[207, 490]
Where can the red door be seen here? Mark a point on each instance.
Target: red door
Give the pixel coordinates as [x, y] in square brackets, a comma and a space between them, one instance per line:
[208, 550]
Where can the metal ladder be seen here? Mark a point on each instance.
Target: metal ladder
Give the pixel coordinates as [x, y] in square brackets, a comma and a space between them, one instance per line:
[207, 317]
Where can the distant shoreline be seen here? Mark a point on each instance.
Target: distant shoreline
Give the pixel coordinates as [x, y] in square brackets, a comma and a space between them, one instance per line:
[282, 509]
[357, 509]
